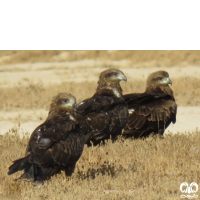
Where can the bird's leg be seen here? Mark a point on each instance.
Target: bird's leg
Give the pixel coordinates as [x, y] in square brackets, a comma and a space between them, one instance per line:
[70, 169]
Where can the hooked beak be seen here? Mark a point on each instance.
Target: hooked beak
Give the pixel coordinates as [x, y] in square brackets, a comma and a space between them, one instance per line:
[166, 80]
[169, 81]
[123, 77]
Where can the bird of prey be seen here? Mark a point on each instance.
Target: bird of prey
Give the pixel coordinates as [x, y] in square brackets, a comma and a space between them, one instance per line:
[105, 114]
[55, 145]
[153, 110]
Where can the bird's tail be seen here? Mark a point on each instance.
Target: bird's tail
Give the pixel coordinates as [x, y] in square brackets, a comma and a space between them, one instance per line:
[19, 165]
[32, 172]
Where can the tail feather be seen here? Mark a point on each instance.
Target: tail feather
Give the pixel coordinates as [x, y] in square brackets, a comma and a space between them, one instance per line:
[32, 172]
[19, 165]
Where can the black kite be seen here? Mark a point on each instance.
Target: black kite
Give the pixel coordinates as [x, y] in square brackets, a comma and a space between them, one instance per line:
[55, 145]
[153, 110]
[105, 113]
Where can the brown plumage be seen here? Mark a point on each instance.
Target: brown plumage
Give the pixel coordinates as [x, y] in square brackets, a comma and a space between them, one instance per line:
[153, 110]
[55, 145]
[105, 114]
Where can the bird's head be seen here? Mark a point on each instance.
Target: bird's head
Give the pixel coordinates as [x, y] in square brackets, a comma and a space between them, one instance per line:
[159, 82]
[64, 101]
[159, 78]
[112, 75]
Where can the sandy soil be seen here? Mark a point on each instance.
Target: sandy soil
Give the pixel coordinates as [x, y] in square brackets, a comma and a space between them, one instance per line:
[57, 73]
[187, 120]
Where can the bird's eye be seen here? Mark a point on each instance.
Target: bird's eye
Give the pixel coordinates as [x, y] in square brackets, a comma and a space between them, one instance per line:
[159, 78]
[114, 73]
[64, 100]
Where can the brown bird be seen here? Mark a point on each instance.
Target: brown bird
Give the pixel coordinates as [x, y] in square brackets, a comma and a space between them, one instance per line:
[153, 110]
[55, 145]
[105, 113]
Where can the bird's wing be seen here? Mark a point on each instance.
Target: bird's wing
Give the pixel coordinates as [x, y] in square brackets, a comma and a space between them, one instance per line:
[55, 143]
[149, 107]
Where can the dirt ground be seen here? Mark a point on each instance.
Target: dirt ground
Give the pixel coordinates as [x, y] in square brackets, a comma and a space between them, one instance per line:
[81, 71]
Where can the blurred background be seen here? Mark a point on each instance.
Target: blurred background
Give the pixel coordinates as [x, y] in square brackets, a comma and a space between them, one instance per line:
[135, 58]
[29, 79]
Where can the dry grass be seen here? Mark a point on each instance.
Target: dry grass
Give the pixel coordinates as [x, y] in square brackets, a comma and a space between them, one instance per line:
[186, 91]
[141, 169]
[159, 58]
